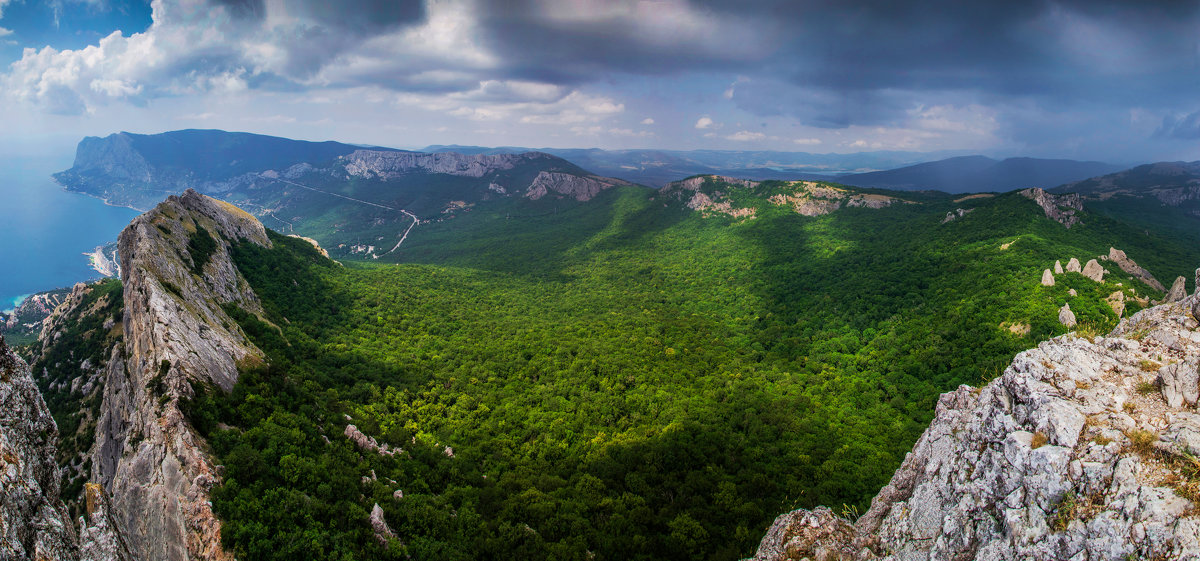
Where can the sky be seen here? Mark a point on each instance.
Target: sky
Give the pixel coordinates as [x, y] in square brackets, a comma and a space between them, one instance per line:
[1107, 80]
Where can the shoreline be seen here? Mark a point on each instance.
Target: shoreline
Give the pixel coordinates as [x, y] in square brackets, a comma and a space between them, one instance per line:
[107, 202]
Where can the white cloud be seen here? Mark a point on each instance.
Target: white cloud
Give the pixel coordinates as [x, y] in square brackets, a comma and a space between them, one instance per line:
[647, 121]
[745, 136]
[4, 32]
[807, 141]
[4, 3]
[704, 122]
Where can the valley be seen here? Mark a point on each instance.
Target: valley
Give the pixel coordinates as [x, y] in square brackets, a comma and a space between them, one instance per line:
[570, 368]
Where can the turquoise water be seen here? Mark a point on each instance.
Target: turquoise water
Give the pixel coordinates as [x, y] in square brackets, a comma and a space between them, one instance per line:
[45, 231]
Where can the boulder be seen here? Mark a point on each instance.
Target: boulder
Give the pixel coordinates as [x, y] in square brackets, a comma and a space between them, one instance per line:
[1129, 266]
[1093, 271]
[1179, 383]
[383, 532]
[1073, 266]
[1178, 291]
[1066, 316]
[1047, 278]
[1058, 270]
[1072, 292]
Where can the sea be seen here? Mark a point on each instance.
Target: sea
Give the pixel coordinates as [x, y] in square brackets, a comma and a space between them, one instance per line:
[46, 231]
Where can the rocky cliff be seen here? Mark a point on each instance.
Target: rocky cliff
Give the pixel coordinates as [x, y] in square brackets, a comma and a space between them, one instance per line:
[710, 195]
[1060, 208]
[178, 276]
[34, 523]
[375, 164]
[1085, 448]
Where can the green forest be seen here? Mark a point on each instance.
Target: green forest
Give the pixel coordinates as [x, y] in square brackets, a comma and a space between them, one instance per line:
[624, 379]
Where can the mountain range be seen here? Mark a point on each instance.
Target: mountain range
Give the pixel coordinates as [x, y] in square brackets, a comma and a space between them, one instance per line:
[973, 174]
[514, 357]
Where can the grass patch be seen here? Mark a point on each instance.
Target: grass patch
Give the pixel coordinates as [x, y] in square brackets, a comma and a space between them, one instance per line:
[1147, 387]
[1142, 441]
[1039, 440]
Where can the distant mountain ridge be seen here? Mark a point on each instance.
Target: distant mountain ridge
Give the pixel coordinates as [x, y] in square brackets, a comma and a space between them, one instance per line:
[973, 174]
[656, 168]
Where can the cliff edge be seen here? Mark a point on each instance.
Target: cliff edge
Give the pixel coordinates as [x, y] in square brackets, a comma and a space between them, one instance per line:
[1084, 449]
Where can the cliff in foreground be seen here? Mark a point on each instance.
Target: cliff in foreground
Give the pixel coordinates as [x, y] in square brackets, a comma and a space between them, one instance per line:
[1085, 448]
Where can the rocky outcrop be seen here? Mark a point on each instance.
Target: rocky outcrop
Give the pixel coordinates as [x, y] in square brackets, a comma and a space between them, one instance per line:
[1047, 278]
[98, 532]
[579, 187]
[956, 214]
[1073, 266]
[1066, 316]
[1093, 271]
[1058, 269]
[386, 164]
[1070, 454]
[1116, 301]
[383, 532]
[1178, 290]
[1060, 208]
[176, 333]
[694, 183]
[1129, 266]
[34, 523]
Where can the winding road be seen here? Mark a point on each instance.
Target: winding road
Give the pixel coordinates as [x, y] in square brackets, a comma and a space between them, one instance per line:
[415, 221]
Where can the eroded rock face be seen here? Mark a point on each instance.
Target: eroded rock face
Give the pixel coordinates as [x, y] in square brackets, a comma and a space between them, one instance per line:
[1060, 208]
[581, 188]
[386, 164]
[1058, 269]
[1066, 316]
[1093, 271]
[34, 523]
[176, 332]
[1129, 266]
[1073, 266]
[1178, 290]
[1047, 278]
[1062, 457]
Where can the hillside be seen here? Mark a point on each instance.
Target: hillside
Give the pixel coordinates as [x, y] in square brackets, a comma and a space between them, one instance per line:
[363, 201]
[974, 174]
[1085, 447]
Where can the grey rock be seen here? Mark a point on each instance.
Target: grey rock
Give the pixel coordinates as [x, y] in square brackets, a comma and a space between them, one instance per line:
[1178, 291]
[1073, 266]
[383, 532]
[1060, 208]
[1066, 316]
[975, 487]
[1058, 268]
[99, 535]
[1047, 278]
[1179, 384]
[1093, 271]
[179, 335]
[579, 187]
[1129, 266]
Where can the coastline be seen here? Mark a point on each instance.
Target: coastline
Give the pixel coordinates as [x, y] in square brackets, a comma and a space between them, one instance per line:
[107, 202]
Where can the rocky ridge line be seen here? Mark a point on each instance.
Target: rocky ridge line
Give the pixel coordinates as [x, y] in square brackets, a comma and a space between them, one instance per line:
[1082, 449]
[1060, 208]
[146, 455]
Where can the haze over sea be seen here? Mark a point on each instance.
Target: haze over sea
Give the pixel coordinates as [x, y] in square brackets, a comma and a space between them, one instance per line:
[46, 230]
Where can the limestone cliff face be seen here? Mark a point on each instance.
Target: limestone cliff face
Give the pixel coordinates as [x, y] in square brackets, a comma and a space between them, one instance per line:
[807, 198]
[146, 454]
[1060, 208]
[377, 164]
[34, 523]
[1082, 449]
[578, 187]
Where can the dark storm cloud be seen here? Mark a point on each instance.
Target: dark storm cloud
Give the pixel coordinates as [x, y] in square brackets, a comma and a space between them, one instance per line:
[850, 55]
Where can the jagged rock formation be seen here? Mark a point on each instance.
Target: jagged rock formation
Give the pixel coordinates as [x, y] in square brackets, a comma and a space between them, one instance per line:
[1073, 266]
[1066, 316]
[1047, 278]
[1129, 266]
[1060, 208]
[707, 194]
[176, 332]
[34, 523]
[1058, 270]
[1093, 271]
[99, 536]
[1178, 290]
[383, 532]
[579, 187]
[380, 164]
[1080, 450]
